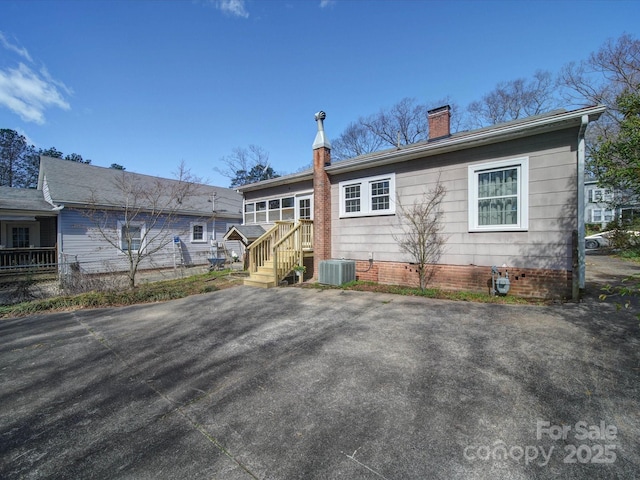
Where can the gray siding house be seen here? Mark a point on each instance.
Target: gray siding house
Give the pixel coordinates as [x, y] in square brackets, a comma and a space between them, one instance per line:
[78, 213]
[513, 193]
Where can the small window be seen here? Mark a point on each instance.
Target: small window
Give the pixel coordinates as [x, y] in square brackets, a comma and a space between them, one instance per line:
[274, 210]
[608, 215]
[288, 208]
[367, 196]
[249, 213]
[131, 236]
[380, 195]
[600, 195]
[596, 215]
[20, 237]
[198, 232]
[498, 196]
[261, 212]
[352, 198]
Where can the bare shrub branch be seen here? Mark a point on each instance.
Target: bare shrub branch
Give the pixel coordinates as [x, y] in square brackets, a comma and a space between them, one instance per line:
[421, 223]
[139, 216]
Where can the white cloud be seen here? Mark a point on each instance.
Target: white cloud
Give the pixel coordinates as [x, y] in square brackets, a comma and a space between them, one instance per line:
[13, 48]
[327, 3]
[233, 7]
[29, 94]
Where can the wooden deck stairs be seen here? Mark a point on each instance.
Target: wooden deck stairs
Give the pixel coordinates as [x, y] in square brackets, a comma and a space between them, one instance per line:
[273, 255]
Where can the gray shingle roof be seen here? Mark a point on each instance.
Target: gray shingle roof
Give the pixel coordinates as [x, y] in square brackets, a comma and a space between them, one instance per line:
[23, 199]
[245, 233]
[77, 183]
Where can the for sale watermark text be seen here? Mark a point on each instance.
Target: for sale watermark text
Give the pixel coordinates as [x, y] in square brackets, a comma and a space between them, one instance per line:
[597, 446]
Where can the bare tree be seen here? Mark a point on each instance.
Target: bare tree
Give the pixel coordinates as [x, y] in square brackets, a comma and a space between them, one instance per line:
[147, 216]
[246, 165]
[421, 223]
[514, 99]
[601, 79]
[356, 140]
[404, 123]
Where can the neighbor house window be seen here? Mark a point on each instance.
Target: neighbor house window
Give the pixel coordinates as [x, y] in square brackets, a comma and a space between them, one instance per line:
[198, 232]
[368, 196]
[131, 235]
[600, 195]
[599, 215]
[20, 237]
[499, 195]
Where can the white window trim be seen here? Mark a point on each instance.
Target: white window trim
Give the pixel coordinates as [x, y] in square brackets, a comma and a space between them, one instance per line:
[605, 194]
[365, 196]
[604, 213]
[522, 224]
[143, 234]
[204, 232]
[302, 196]
[278, 212]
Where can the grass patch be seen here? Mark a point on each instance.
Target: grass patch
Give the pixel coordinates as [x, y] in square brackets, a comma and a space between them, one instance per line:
[632, 254]
[461, 296]
[161, 291]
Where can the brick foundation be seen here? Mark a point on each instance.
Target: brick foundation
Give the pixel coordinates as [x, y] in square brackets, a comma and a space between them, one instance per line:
[525, 282]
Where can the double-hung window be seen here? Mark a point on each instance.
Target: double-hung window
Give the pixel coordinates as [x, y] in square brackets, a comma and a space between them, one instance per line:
[198, 232]
[600, 195]
[499, 195]
[368, 196]
[599, 215]
[131, 236]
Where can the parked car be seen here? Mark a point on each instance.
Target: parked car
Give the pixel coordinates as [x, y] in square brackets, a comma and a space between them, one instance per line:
[603, 239]
[598, 240]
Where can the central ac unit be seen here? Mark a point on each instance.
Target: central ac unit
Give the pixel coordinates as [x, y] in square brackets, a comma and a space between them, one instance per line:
[337, 272]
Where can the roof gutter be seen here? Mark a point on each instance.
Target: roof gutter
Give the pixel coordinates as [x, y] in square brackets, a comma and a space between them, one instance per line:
[458, 142]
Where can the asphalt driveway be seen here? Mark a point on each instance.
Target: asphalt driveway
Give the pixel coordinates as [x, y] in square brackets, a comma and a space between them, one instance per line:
[299, 383]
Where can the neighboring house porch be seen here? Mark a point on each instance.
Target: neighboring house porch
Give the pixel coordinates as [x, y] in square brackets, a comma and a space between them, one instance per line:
[28, 238]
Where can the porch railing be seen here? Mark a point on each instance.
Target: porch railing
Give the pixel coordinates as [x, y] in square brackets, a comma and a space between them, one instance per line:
[260, 251]
[36, 259]
[285, 244]
[289, 250]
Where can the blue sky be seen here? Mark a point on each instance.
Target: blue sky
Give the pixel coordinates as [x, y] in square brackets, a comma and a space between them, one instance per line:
[148, 84]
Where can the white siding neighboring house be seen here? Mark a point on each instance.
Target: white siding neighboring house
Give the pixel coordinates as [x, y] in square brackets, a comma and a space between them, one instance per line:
[57, 217]
[513, 197]
[602, 205]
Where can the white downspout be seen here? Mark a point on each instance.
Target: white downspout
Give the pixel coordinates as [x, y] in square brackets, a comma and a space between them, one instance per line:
[581, 229]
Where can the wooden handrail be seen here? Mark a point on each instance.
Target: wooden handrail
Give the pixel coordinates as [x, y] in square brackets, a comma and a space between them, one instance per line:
[285, 244]
[260, 251]
[289, 250]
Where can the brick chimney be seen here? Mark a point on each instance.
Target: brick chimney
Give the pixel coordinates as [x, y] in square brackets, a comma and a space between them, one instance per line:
[439, 122]
[321, 196]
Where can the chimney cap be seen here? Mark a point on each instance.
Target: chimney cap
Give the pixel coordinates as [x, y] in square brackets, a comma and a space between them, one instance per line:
[444, 108]
[321, 140]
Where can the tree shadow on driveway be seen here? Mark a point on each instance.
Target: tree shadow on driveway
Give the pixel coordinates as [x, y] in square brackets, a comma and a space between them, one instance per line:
[299, 383]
